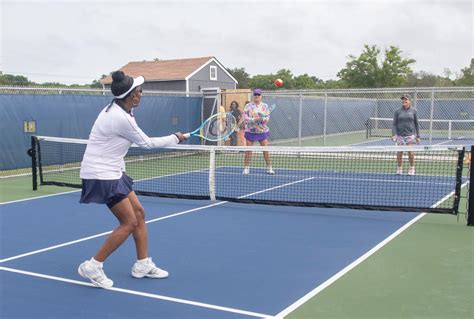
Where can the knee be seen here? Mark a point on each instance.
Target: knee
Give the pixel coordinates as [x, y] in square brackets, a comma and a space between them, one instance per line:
[131, 225]
[140, 213]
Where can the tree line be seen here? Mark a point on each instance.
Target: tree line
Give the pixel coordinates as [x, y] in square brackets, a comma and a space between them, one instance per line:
[373, 68]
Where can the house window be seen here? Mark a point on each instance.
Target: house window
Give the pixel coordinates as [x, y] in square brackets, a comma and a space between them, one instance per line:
[213, 73]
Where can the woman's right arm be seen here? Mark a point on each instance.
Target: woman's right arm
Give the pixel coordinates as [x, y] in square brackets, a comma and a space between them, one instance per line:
[395, 125]
[127, 127]
[246, 115]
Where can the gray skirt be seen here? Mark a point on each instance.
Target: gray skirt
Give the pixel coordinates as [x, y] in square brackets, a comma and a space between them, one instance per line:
[109, 192]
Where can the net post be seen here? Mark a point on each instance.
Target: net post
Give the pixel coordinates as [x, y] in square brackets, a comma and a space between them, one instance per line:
[40, 163]
[470, 205]
[34, 168]
[212, 174]
[368, 128]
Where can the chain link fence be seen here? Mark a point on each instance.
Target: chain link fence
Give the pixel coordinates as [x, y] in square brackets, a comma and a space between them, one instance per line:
[70, 112]
[305, 117]
[362, 116]
[49, 90]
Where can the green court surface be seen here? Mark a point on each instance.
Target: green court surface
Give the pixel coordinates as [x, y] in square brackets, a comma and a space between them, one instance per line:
[425, 272]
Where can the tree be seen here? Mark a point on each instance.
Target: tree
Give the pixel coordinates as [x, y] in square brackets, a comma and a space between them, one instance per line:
[9, 79]
[426, 79]
[466, 78]
[262, 81]
[304, 81]
[334, 84]
[394, 68]
[287, 77]
[241, 76]
[367, 71]
[317, 80]
[96, 83]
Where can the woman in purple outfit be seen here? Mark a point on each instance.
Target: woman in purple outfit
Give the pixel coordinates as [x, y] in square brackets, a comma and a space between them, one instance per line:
[256, 116]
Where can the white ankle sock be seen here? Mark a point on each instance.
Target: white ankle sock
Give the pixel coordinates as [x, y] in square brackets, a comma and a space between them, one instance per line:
[96, 263]
[142, 261]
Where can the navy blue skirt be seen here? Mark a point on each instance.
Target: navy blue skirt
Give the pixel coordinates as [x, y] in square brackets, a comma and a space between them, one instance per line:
[108, 192]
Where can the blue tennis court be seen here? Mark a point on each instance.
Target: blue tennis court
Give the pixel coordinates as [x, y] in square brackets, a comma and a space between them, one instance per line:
[309, 186]
[226, 260]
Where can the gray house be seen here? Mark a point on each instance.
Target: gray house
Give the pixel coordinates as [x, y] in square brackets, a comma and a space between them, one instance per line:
[182, 75]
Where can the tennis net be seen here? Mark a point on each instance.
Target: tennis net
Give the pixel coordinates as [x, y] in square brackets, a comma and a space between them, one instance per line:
[350, 177]
[435, 129]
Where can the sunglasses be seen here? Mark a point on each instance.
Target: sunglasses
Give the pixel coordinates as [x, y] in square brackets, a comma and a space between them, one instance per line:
[256, 94]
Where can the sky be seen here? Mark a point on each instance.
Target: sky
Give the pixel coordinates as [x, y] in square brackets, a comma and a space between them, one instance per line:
[78, 41]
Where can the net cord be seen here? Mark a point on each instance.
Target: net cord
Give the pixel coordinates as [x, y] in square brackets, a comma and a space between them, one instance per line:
[286, 149]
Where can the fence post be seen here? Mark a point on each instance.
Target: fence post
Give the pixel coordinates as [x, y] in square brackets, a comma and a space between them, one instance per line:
[431, 115]
[300, 118]
[415, 98]
[325, 117]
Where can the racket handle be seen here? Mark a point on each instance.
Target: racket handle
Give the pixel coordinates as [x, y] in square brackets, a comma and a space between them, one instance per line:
[187, 135]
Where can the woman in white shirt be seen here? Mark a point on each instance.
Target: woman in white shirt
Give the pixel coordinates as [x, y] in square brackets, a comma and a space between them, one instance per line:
[104, 180]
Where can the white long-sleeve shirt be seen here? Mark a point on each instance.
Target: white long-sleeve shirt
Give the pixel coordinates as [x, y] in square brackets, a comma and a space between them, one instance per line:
[113, 133]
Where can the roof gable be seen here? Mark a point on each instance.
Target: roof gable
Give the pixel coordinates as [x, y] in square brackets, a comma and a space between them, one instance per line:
[165, 70]
[213, 59]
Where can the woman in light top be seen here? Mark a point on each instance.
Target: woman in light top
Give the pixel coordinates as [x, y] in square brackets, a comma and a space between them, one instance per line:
[256, 117]
[104, 180]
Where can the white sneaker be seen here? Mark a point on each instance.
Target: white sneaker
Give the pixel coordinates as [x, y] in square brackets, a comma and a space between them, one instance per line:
[95, 274]
[399, 170]
[411, 171]
[148, 269]
[246, 171]
[270, 171]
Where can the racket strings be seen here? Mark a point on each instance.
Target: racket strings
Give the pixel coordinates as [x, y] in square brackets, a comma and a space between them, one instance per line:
[219, 126]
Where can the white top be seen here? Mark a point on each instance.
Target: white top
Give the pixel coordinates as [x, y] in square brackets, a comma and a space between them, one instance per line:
[113, 133]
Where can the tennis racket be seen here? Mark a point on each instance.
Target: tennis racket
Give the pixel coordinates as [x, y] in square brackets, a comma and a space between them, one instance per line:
[216, 128]
[269, 110]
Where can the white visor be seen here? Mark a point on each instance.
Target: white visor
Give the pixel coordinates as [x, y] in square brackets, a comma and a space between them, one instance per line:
[136, 82]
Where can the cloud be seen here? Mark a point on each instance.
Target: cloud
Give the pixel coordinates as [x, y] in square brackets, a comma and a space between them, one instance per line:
[95, 37]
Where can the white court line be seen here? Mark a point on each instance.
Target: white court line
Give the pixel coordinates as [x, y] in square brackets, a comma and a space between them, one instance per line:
[38, 197]
[370, 141]
[104, 233]
[142, 294]
[356, 262]
[276, 187]
[346, 269]
[78, 190]
[261, 172]
[378, 180]
[147, 222]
